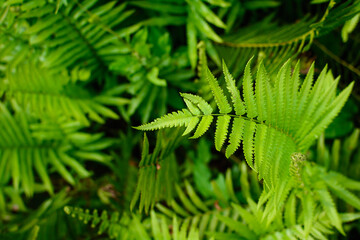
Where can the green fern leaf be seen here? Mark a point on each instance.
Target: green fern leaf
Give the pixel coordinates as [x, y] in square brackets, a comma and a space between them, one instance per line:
[222, 125]
[194, 211]
[248, 93]
[203, 126]
[219, 96]
[186, 202]
[305, 91]
[343, 193]
[281, 90]
[239, 106]
[157, 171]
[193, 109]
[262, 98]
[260, 153]
[241, 229]
[236, 136]
[330, 208]
[198, 101]
[290, 211]
[207, 13]
[332, 111]
[249, 131]
[309, 209]
[293, 100]
[191, 126]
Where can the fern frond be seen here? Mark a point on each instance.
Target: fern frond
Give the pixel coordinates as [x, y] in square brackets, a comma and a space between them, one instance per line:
[14, 47]
[45, 94]
[330, 209]
[248, 227]
[266, 41]
[206, 215]
[23, 149]
[157, 171]
[342, 192]
[274, 44]
[114, 225]
[161, 232]
[192, 209]
[290, 211]
[312, 218]
[332, 111]
[129, 227]
[84, 27]
[313, 187]
[271, 138]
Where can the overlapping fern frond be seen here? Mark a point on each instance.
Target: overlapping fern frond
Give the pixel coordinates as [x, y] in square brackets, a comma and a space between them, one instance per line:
[35, 226]
[113, 224]
[27, 155]
[272, 122]
[307, 211]
[344, 61]
[82, 35]
[275, 44]
[341, 156]
[192, 210]
[127, 227]
[251, 218]
[13, 49]
[14, 46]
[267, 41]
[54, 94]
[203, 214]
[157, 171]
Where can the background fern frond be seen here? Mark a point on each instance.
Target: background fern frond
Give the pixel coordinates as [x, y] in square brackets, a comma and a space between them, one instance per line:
[45, 94]
[24, 150]
[84, 27]
[275, 44]
[157, 172]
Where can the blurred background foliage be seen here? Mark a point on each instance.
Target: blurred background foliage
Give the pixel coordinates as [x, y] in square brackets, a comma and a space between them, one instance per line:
[76, 76]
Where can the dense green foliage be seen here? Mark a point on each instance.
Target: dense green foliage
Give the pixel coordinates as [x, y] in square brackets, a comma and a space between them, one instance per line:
[274, 148]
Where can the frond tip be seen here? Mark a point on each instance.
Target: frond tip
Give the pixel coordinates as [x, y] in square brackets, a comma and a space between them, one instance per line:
[175, 119]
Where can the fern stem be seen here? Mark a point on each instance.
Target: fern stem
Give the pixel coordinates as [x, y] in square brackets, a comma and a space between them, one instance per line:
[267, 45]
[112, 32]
[83, 38]
[337, 59]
